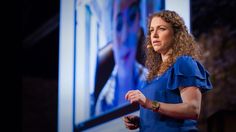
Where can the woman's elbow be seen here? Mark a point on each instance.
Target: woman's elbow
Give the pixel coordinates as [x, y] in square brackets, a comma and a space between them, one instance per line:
[195, 116]
[193, 111]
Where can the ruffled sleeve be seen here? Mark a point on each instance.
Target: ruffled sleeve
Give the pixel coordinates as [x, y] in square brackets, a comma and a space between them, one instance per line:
[188, 72]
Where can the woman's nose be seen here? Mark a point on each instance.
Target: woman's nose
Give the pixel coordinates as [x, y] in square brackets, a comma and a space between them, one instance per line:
[155, 34]
[124, 33]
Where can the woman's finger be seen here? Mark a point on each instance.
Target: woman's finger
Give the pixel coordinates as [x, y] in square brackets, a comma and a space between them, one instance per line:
[130, 125]
[127, 94]
[125, 119]
[132, 94]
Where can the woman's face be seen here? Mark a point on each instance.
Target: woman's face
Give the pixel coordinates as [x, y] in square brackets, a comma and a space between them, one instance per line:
[126, 27]
[162, 35]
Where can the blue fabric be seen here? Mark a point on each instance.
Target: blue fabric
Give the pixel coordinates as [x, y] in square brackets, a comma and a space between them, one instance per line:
[184, 72]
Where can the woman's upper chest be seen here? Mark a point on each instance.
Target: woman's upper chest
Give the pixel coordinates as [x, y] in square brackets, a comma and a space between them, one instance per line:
[157, 89]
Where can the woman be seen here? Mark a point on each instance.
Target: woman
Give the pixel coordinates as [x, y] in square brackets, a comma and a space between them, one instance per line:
[170, 99]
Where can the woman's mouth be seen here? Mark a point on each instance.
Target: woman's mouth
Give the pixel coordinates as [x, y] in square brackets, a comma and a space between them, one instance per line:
[126, 56]
[156, 43]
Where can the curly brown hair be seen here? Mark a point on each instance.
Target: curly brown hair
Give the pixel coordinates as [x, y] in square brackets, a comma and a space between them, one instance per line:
[183, 44]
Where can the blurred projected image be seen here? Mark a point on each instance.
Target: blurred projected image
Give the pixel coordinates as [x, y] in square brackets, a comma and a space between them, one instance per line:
[127, 72]
[117, 37]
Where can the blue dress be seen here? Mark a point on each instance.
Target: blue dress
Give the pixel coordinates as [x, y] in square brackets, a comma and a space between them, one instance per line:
[184, 72]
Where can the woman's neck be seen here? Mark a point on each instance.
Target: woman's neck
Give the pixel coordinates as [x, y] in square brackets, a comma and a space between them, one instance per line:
[125, 72]
[166, 55]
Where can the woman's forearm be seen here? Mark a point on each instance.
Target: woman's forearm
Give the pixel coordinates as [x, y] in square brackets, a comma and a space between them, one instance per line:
[180, 111]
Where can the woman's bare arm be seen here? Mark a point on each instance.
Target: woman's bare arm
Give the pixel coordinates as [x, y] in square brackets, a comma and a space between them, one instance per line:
[188, 109]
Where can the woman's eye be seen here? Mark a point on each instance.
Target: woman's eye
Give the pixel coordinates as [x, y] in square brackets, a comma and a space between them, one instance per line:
[131, 18]
[132, 13]
[119, 25]
[162, 29]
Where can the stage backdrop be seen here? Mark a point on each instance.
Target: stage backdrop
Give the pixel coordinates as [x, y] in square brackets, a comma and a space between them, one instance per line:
[86, 60]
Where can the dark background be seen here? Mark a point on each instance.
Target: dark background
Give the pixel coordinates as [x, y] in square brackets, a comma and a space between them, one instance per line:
[40, 49]
[213, 25]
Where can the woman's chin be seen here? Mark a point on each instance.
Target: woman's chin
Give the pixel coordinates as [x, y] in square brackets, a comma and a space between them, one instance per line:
[157, 50]
[126, 62]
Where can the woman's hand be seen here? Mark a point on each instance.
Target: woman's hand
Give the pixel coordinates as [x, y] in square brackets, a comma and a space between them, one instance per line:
[135, 96]
[131, 122]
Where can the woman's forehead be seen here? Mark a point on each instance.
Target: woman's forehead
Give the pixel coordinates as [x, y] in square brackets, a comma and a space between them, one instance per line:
[122, 5]
[158, 21]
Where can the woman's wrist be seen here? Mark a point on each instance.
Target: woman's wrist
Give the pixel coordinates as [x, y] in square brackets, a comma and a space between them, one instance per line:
[148, 104]
[152, 105]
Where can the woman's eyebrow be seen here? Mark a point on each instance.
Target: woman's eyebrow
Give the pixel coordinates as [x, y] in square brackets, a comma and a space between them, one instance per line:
[119, 15]
[135, 4]
[159, 26]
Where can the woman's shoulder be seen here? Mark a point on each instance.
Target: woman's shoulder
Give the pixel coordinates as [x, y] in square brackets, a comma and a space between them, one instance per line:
[188, 65]
[187, 71]
[185, 61]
